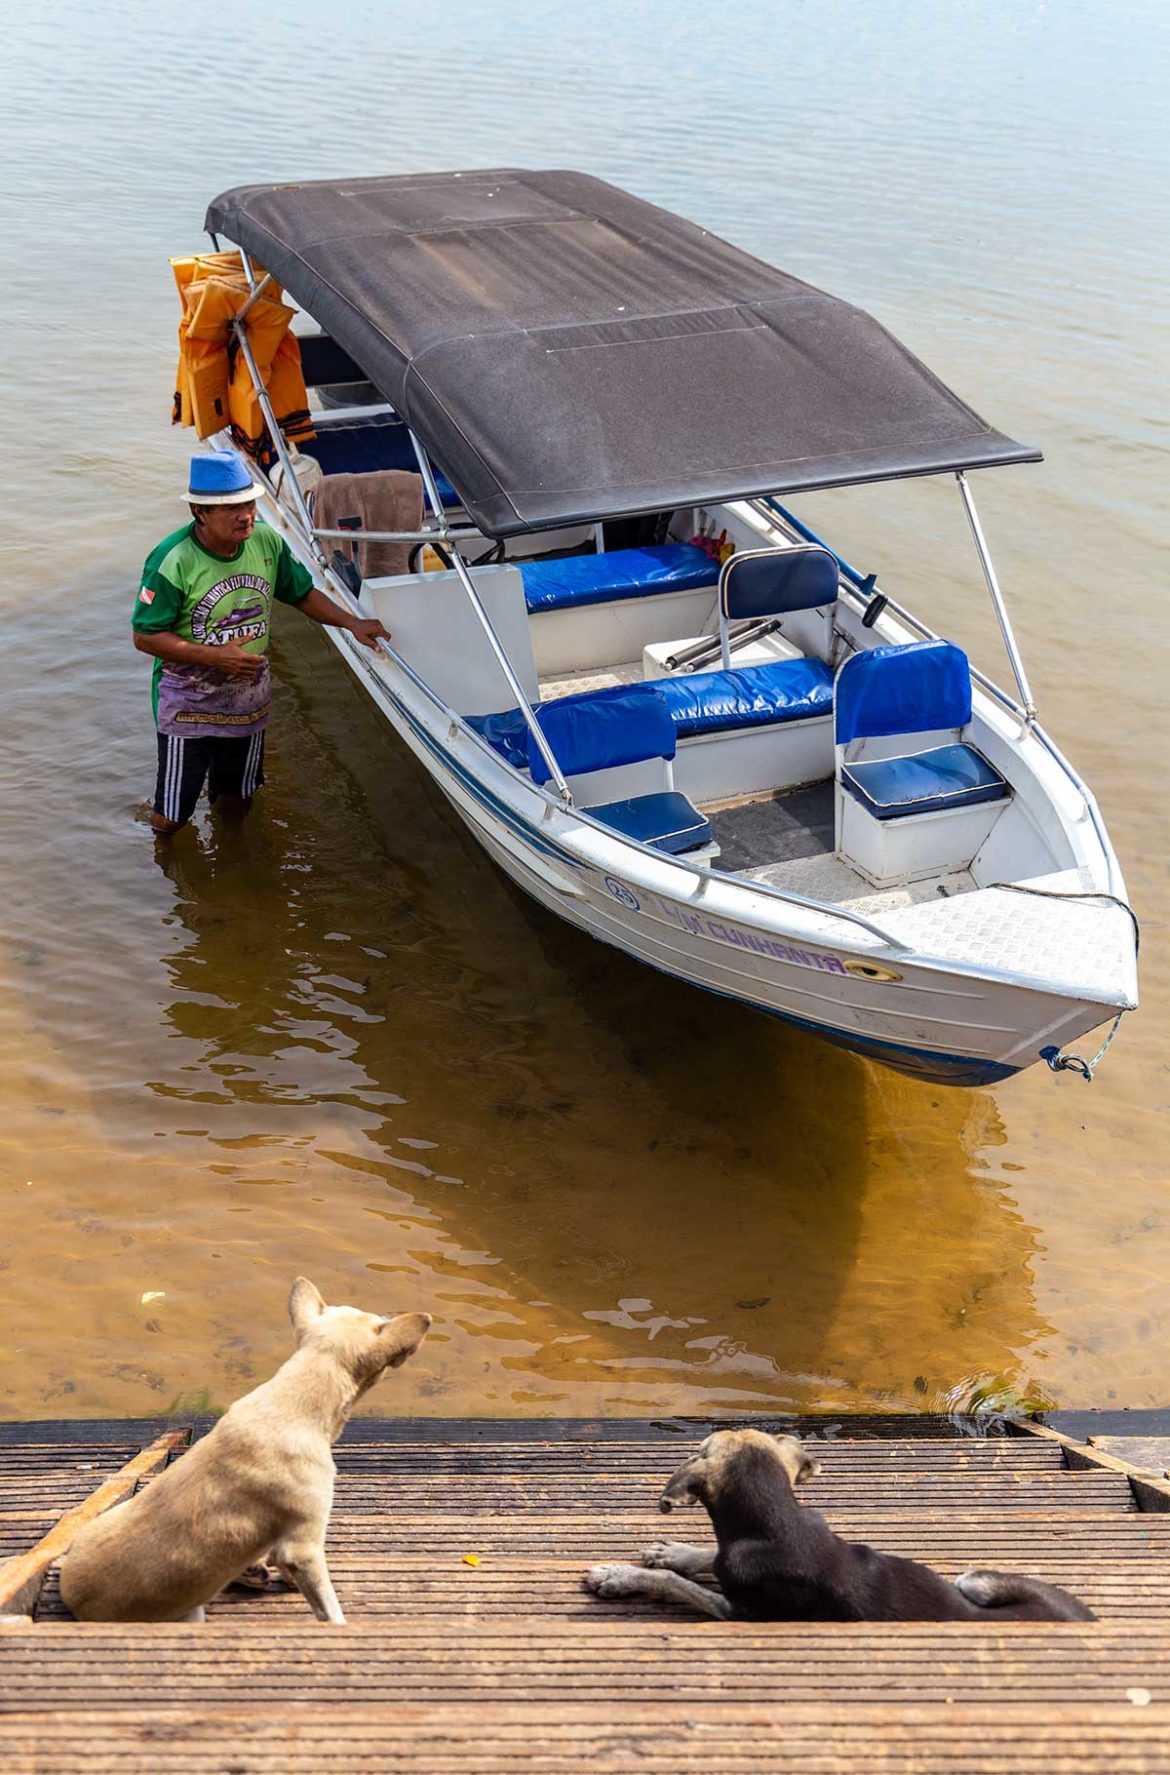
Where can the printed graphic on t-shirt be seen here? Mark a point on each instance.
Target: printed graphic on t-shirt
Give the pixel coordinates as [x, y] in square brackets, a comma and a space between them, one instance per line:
[221, 617]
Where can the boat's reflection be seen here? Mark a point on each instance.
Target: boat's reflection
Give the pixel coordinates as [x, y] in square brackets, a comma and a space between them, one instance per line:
[621, 1193]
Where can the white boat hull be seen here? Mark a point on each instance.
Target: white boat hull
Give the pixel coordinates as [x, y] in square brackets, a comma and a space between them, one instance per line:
[945, 1022]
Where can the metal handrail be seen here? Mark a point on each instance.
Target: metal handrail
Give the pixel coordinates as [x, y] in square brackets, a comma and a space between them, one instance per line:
[862, 582]
[359, 535]
[497, 646]
[769, 507]
[256, 291]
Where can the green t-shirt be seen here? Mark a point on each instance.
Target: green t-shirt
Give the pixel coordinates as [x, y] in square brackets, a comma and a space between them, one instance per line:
[212, 599]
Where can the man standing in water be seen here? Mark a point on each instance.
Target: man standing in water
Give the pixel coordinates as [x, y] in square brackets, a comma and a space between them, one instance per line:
[203, 612]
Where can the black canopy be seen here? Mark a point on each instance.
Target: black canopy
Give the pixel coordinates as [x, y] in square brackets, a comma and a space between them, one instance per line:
[566, 351]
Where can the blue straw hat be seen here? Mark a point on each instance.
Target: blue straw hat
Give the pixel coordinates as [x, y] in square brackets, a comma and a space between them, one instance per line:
[220, 477]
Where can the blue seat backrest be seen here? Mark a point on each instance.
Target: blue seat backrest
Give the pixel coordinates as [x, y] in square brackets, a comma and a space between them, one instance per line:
[603, 728]
[324, 364]
[769, 582]
[913, 689]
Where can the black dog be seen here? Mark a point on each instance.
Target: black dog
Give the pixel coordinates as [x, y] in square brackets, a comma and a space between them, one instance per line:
[780, 1561]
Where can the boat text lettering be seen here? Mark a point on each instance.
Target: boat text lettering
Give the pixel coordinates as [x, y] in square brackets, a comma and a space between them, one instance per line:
[699, 925]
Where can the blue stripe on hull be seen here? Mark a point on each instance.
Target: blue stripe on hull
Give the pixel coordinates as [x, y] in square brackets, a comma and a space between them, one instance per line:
[920, 1063]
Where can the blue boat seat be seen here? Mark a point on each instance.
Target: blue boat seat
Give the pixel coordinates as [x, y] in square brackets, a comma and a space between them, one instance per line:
[668, 820]
[605, 729]
[923, 782]
[698, 703]
[748, 696]
[579, 580]
[889, 797]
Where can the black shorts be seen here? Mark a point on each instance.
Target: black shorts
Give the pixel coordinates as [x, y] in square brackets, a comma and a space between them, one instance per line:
[228, 767]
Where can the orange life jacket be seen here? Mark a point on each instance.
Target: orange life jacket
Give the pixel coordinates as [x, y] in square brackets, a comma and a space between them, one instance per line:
[213, 388]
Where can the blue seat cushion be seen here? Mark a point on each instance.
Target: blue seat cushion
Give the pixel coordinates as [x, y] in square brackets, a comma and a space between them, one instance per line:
[748, 696]
[506, 733]
[667, 820]
[924, 783]
[700, 702]
[601, 729]
[622, 573]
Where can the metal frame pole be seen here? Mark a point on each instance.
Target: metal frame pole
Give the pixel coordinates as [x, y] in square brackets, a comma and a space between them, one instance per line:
[488, 627]
[258, 290]
[1005, 626]
[432, 536]
[274, 431]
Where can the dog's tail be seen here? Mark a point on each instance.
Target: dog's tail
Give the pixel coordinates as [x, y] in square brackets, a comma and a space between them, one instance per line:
[1026, 1598]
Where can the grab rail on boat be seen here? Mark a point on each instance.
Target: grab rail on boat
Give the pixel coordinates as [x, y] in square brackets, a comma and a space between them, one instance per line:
[396, 535]
[770, 507]
[701, 876]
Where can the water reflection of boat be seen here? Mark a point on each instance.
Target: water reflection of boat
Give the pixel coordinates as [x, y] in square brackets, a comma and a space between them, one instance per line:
[691, 729]
[615, 1200]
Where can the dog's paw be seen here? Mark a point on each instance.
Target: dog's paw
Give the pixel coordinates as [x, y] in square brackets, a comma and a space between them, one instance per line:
[663, 1555]
[612, 1580]
[254, 1577]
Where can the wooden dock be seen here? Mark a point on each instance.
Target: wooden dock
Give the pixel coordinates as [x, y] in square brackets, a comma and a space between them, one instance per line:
[506, 1664]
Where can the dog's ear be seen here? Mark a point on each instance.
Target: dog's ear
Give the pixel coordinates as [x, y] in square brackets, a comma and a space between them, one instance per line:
[807, 1469]
[304, 1306]
[403, 1334]
[798, 1465]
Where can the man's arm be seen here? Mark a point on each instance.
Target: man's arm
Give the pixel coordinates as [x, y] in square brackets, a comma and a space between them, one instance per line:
[321, 608]
[230, 659]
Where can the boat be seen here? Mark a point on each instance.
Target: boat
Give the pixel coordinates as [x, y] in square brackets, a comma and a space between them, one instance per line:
[665, 707]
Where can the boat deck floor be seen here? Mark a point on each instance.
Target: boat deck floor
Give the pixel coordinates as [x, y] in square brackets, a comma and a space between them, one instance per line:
[457, 1550]
[786, 841]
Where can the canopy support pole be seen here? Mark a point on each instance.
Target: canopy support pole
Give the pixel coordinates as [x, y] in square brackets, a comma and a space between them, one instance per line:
[258, 290]
[274, 431]
[1005, 626]
[477, 604]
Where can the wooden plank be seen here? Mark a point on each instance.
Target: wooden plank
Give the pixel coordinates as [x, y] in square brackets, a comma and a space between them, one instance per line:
[814, 1738]
[1149, 1454]
[1151, 1495]
[21, 1577]
[922, 1427]
[90, 1432]
[532, 1659]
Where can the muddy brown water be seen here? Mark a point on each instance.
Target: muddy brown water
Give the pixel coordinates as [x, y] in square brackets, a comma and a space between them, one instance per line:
[337, 1041]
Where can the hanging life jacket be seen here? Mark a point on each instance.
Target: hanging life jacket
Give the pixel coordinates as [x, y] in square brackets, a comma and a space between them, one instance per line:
[213, 388]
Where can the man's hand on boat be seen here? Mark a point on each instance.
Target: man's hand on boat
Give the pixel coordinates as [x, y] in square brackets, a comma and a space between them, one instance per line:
[321, 608]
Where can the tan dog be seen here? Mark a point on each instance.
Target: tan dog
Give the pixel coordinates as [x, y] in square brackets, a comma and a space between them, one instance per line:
[261, 1483]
